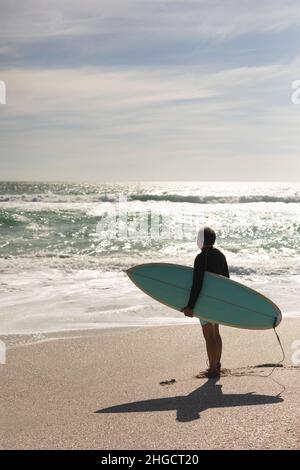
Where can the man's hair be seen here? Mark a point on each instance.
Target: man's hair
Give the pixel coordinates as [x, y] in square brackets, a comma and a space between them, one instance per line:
[209, 236]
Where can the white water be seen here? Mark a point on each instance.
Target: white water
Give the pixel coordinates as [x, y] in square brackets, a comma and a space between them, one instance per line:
[57, 274]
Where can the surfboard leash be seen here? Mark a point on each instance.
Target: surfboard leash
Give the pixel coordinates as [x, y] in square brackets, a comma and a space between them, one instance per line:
[279, 341]
[274, 366]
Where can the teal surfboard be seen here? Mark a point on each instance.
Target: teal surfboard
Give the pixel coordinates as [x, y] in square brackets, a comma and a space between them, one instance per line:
[221, 300]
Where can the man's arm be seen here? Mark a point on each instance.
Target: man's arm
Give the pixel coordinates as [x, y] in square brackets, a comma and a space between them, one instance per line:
[198, 275]
[225, 269]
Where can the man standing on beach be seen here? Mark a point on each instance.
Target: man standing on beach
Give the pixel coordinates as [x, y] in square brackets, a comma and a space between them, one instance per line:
[213, 260]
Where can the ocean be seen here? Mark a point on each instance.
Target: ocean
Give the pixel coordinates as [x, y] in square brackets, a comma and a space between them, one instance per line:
[65, 247]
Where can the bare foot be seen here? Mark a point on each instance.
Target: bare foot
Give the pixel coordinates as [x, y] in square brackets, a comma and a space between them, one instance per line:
[208, 374]
[212, 373]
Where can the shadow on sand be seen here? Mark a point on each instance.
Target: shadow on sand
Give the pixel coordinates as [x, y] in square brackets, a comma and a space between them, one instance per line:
[189, 407]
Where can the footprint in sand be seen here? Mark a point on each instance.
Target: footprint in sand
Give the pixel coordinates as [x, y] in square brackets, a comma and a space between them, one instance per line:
[167, 382]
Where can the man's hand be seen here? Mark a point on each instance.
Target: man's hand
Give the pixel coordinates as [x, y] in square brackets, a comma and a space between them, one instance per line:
[187, 311]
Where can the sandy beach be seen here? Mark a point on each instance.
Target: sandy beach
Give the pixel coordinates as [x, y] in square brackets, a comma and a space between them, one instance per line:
[103, 391]
[149, 173]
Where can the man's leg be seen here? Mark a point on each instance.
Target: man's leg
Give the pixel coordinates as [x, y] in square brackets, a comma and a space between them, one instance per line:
[212, 346]
[219, 344]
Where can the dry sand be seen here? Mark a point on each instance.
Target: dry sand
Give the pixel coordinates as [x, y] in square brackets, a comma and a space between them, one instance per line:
[102, 391]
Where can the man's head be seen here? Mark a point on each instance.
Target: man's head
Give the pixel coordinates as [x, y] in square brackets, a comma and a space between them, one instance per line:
[206, 237]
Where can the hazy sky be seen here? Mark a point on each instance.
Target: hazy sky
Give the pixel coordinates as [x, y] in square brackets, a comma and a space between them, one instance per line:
[149, 90]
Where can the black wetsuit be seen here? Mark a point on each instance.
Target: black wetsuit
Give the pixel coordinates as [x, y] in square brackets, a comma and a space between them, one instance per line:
[210, 259]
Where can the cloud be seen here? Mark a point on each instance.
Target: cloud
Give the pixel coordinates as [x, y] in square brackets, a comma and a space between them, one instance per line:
[118, 121]
[214, 19]
[101, 90]
[60, 33]
[101, 87]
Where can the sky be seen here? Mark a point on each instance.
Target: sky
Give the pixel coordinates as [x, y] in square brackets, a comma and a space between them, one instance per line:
[149, 90]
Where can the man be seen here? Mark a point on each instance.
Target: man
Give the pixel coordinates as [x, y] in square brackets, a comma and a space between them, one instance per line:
[210, 259]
